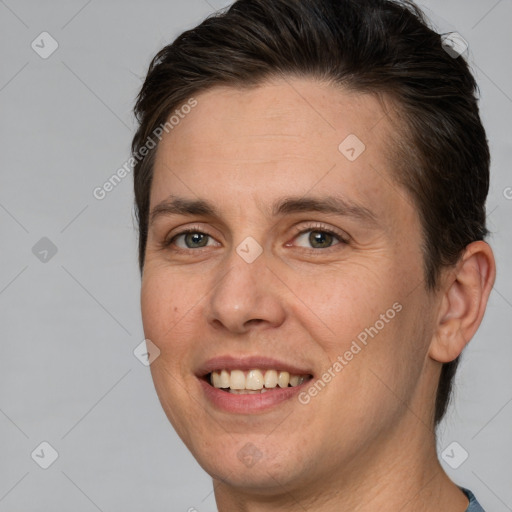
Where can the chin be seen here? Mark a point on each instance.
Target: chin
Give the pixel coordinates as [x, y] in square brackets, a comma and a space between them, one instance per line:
[252, 464]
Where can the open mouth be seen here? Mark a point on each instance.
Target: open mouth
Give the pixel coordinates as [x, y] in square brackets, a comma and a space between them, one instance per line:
[254, 381]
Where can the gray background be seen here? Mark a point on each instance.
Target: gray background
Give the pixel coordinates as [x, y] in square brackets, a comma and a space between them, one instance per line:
[69, 324]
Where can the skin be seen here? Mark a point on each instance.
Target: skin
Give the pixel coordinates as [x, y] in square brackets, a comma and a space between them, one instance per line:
[366, 441]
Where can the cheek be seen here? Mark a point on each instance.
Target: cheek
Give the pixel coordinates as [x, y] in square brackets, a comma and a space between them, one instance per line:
[166, 301]
[372, 321]
[378, 377]
[346, 303]
[167, 315]
[391, 363]
[167, 308]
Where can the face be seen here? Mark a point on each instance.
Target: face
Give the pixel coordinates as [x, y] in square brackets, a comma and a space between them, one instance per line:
[277, 248]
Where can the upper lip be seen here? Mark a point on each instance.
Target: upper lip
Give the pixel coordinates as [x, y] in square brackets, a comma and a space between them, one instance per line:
[229, 362]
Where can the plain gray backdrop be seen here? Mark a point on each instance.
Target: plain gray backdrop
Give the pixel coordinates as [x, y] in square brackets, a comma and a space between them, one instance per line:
[69, 282]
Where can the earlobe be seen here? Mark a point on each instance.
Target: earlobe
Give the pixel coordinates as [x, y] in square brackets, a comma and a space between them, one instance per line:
[464, 301]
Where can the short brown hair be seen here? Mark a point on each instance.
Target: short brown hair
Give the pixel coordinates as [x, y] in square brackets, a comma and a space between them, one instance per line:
[373, 46]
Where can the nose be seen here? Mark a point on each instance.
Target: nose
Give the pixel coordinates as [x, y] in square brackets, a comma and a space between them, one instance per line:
[246, 295]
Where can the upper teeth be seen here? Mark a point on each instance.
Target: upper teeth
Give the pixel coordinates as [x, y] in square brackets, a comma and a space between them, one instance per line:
[254, 379]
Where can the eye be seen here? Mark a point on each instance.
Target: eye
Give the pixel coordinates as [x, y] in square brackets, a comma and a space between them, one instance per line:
[319, 237]
[191, 238]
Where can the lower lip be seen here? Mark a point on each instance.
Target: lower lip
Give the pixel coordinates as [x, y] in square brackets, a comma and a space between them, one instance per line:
[249, 403]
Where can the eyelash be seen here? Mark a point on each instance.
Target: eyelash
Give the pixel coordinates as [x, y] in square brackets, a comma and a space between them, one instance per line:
[343, 239]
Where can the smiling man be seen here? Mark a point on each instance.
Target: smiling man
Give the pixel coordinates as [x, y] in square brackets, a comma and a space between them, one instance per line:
[312, 225]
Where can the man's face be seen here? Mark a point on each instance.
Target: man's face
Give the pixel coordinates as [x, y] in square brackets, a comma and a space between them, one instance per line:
[268, 281]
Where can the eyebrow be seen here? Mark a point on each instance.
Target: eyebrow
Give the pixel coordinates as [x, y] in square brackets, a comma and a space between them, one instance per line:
[336, 205]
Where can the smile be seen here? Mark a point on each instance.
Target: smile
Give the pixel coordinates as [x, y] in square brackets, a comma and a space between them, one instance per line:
[250, 384]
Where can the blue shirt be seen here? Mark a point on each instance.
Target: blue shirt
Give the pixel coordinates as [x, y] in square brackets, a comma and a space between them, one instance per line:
[474, 506]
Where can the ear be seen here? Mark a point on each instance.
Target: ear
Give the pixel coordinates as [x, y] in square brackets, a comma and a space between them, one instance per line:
[464, 300]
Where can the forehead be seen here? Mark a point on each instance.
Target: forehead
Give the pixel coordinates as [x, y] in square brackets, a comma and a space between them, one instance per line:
[290, 135]
[313, 115]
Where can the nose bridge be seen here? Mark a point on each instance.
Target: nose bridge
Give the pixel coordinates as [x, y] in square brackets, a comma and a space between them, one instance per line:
[244, 292]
